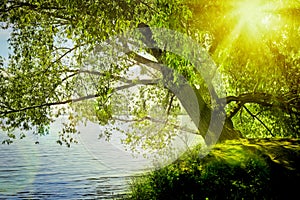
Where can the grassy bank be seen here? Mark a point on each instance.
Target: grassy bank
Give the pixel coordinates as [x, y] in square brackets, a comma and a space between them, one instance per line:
[246, 169]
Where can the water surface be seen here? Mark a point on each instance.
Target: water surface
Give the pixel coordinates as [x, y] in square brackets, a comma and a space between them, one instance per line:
[92, 169]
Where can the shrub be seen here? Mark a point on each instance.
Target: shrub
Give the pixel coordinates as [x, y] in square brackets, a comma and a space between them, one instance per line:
[233, 170]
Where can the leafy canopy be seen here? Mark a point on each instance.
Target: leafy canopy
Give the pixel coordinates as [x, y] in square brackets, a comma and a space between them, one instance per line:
[255, 44]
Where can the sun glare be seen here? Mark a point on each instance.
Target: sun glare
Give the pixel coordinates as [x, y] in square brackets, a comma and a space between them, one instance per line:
[253, 13]
[255, 18]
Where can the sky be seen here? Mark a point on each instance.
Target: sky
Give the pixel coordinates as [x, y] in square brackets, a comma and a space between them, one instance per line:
[4, 34]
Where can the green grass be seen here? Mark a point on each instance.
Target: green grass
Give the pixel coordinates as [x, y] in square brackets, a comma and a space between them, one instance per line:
[245, 169]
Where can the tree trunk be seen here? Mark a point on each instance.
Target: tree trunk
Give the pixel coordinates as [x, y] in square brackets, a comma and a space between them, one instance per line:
[212, 124]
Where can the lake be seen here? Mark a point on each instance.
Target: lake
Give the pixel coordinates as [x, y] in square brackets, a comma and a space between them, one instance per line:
[91, 169]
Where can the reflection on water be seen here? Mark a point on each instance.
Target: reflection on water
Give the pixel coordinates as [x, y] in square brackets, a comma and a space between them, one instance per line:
[92, 169]
[50, 171]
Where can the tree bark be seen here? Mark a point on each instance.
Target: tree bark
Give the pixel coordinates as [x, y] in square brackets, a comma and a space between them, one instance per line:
[212, 124]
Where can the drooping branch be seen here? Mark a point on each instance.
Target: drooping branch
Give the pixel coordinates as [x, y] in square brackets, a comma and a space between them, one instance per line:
[115, 77]
[235, 110]
[19, 4]
[87, 97]
[50, 10]
[255, 116]
[92, 72]
[3, 113]
[66, 53]
[159, 121]
[147, 5]
[170, 104]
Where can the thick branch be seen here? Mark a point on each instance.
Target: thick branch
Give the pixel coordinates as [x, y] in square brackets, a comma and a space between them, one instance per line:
[137, 82]
[263, 99]
[259, 98]
[142, 60]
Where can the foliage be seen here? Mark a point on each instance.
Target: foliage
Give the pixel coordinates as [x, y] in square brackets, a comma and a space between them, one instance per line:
[254, 43]
[63, 65]
[244, 169]
[50, 41]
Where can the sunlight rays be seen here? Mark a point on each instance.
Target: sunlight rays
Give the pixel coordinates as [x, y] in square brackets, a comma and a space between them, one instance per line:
[254, 20]
[256, 17]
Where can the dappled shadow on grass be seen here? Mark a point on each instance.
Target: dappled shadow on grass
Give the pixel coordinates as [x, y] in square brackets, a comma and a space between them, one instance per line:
[249, 169]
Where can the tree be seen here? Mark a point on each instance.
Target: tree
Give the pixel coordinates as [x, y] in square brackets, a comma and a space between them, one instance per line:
[52, 40]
